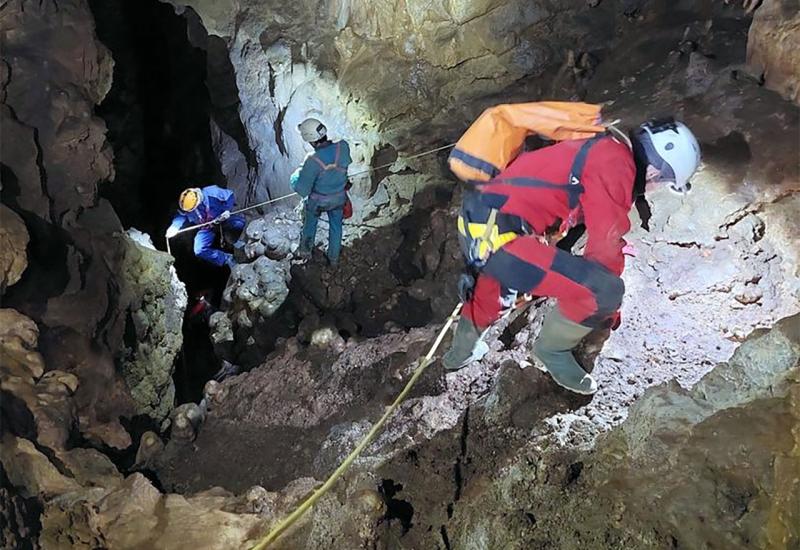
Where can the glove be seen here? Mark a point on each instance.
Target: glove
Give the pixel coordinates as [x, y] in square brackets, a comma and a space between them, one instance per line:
[171, 232]
[223, 217]
[629, 250]
[466, 285]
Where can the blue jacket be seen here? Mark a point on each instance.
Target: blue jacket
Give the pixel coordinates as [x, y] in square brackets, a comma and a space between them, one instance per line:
[216, 200]
[324, 172]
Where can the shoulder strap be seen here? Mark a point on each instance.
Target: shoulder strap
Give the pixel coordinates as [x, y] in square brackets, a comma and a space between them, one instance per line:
[319, 161]
[578, 164]
[334, 165]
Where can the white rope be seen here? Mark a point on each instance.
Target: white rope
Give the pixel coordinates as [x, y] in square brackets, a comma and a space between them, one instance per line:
[265, 203]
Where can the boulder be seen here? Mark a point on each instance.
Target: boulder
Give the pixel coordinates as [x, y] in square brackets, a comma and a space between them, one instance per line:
[31, 471]
[13, 244]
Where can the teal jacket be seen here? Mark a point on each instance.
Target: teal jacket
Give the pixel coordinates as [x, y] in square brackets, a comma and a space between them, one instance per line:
[324, 172]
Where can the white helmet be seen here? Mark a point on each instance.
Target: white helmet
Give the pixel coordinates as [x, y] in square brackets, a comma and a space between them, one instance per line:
[672, 148]
[312, 130]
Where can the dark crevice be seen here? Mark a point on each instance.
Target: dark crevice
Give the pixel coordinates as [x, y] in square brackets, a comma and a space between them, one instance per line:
[395, 508]
[158, 112]
[684, 244]
[15, 417]
[42, 171]
[278, 127]
[644, 211]
[271, 85]
[509, 334]
[574, 471]
[458, 476]
[445, 538]
[47, 273]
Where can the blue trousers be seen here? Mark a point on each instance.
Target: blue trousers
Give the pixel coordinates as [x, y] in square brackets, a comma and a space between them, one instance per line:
[313, 210]
[204, 241]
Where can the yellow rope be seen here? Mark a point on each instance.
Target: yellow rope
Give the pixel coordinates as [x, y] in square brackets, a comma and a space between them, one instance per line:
[309, 502]
[260, 204]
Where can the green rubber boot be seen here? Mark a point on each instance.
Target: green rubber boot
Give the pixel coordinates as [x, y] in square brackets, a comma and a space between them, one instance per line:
[466, 347]
[553, 347]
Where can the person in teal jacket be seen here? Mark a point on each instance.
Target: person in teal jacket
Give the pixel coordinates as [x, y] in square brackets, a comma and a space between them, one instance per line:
[321, 181]
[209, 204]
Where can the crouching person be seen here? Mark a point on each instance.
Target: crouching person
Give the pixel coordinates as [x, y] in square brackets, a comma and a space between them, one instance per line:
[209, 204]
[506, 227]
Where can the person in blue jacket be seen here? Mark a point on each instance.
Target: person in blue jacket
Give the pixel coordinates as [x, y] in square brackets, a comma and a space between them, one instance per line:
[322, 182]
[211, 203]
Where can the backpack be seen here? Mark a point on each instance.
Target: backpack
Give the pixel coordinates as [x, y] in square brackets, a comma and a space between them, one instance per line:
[498, 135]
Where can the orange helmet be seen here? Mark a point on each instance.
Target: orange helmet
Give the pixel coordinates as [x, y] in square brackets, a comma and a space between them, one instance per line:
[190, 198]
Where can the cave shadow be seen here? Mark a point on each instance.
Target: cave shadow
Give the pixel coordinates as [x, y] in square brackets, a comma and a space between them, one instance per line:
[365, 288]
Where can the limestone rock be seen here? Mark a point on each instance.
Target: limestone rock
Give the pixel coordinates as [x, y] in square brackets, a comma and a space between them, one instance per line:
[773, 47]
[31, 471]
[19, 337]
[13, 243]
[128, 516]
[714, 464]
[102, 397]
[150, 446]
[157, 300]
[90, 468]
[269, 237]
[40, 403]
[185, 422]
[254, 293]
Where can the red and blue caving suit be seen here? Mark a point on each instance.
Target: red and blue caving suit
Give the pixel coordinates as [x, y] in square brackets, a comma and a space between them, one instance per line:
[216, 200]
[536, 189]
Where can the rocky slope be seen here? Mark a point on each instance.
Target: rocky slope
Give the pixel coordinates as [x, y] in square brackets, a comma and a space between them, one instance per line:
[475, 484]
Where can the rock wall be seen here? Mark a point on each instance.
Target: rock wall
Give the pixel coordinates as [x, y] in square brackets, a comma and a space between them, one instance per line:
[83, 281]
[54, 155]
[773, 47]
[436, 63]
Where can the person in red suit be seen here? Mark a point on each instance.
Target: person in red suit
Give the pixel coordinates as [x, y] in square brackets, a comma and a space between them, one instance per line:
[548, 191]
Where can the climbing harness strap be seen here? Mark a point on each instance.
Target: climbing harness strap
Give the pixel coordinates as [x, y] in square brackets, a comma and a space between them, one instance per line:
[334, 165]
[575, 187]
[478, 221]
[282, 526]
[487, 237]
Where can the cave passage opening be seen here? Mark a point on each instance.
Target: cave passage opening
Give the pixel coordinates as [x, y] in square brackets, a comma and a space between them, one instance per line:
[158, 113]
